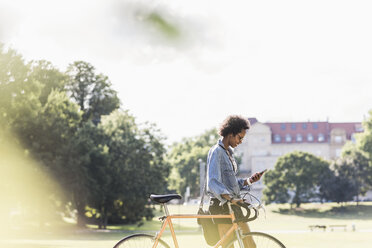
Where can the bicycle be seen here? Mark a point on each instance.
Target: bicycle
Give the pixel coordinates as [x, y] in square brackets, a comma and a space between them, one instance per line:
[261, 240]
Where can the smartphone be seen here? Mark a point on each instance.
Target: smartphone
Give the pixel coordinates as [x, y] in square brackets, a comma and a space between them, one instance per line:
[262, 172]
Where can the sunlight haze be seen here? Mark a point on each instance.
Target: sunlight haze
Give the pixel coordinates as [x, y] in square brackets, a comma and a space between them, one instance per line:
[273, 60]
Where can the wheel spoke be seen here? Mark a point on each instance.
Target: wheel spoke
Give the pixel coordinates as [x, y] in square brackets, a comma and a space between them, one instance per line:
[139, 241]
[258, 240]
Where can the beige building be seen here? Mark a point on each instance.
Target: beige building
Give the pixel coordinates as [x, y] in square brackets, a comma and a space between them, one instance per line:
[265, 142]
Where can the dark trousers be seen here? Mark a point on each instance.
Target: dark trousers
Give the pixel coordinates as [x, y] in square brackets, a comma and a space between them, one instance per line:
[215, 208]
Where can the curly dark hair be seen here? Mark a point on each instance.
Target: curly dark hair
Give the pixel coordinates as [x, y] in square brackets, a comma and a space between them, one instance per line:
[233, 124]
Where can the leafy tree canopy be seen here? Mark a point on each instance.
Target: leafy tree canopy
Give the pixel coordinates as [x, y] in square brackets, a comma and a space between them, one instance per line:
[92, 92]
[107, 168]
[294, 178]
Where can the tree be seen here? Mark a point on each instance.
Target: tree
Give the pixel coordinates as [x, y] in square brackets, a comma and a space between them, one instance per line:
[36, 117]
[337, 185]
[48, 76]
[364, 143]
[365, 139]
[18, 97]
[297, 173]
[184, 158]
[24, 90]
[351, 175]
[106, 169]
[93, 93]
[360, 169]
[95, 97]
[87, 158]
[54, 146]
[136, 168]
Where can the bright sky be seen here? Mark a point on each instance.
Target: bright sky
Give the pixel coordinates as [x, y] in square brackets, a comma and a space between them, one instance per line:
[274, 60]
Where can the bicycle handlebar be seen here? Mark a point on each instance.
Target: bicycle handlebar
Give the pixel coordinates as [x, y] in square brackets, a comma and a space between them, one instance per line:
[248, 208]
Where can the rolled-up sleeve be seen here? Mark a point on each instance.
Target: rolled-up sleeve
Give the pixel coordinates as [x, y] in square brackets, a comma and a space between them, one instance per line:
[241, 184]
[215, 185]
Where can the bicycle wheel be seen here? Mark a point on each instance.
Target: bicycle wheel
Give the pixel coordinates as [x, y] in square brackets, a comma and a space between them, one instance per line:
[260, 240]
[140, 241]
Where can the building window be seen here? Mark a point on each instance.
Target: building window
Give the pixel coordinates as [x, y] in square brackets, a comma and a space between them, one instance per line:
[304, 126]
[359, 128]
[338, 139]
[282, 126]
[299, 137]
[288, 138]
[277, 138]
[315, 125]
[310, 137]
[293, 126]
[321, 137]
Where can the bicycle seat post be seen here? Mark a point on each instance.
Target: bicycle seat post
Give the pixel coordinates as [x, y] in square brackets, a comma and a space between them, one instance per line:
[165, 209]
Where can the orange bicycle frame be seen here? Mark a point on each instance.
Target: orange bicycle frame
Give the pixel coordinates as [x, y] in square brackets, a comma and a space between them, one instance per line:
[168, 221]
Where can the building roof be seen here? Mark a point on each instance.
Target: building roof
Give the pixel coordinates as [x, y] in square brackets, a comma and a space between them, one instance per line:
[314, 132]
[349, 127]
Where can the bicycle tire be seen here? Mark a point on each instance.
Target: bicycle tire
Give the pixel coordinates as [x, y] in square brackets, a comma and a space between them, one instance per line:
[261, 240]
[140, 241]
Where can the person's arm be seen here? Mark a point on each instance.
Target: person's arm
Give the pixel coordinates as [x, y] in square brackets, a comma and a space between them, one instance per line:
[254, 178]
[215, 185]
[248, 181]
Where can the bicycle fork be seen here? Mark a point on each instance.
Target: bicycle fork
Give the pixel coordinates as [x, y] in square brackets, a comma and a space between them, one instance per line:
[239, 238]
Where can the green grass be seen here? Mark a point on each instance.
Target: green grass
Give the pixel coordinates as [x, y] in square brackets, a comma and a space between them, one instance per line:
[291, 226]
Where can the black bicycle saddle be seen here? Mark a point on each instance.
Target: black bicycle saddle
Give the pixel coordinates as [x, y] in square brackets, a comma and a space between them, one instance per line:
[164, 198]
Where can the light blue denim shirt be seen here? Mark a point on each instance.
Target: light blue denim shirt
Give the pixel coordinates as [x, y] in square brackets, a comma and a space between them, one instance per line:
[221, 177]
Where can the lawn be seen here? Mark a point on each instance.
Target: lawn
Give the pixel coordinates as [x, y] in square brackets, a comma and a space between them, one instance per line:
[291, 226]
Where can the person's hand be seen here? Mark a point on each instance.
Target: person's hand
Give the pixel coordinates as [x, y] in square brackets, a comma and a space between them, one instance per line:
[235, 201]
[256, 176]
[231, 199]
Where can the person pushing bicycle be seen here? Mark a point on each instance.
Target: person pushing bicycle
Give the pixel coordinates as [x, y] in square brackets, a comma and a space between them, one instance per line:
[222, 184]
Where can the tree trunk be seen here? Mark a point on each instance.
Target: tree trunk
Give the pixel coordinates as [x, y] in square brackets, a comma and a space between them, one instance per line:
[297, 199]
[106, 221]
[80, 214]
[80, 219]
[103, 219]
